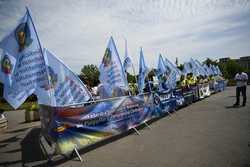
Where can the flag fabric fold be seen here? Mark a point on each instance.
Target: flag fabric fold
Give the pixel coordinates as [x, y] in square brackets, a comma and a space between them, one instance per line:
[143, 72]
[112, 75]
[22, 65]
[65, 86]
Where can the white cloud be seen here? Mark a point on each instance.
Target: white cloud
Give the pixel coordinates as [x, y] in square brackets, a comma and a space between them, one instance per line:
[78, 31]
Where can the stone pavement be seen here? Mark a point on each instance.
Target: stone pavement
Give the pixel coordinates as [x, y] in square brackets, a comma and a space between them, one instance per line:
[207, 133]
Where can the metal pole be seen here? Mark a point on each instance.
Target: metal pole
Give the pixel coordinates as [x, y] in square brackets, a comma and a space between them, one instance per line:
[39, 43]
[136, 131]
[147, 125]
[77, 153]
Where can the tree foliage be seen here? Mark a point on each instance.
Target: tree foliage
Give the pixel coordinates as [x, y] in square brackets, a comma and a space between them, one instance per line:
[151, 74]
[90, 75]
[209, 61]
[230, 68]
[131, 78]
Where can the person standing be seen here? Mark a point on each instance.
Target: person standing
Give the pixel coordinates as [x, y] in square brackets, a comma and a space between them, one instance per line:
[241, 85]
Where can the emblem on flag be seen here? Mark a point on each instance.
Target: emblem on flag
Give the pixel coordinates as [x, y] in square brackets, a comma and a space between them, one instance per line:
[107, 58]
[6, 65]
[23, 37]
[52, 76]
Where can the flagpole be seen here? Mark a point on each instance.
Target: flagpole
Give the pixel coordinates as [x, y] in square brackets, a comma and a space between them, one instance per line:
[40, 46]
[133, 68]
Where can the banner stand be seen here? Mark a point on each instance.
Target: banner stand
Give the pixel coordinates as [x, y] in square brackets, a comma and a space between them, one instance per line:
[45, 145]
[147, 125]
[136, 131]
[77, 153]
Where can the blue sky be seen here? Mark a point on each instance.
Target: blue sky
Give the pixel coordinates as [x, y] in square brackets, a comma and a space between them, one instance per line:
[78, 31]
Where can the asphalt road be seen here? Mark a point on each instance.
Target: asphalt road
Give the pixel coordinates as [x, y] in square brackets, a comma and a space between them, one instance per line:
[207, 133]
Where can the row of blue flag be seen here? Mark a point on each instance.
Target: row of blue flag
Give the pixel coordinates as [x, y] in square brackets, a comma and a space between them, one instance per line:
[28, 68]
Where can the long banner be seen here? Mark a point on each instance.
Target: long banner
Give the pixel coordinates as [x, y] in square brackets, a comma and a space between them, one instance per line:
[85, 125]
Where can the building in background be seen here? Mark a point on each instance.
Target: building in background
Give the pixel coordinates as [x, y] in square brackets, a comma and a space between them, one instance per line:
[242, 61]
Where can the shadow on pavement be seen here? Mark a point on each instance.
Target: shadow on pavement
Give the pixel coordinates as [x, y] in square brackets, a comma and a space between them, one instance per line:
[18, 130]
[13, 151]
[30, 147]
[63, 159]
[232, 96]
[32, 153]
[10, 140]
[9, 163]
[3, 145]
[235, 107]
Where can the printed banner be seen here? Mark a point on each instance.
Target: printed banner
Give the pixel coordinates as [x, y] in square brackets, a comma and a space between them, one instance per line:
[85, 125]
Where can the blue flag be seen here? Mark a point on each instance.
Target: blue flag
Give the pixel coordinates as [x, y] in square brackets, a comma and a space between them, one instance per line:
[22, 63]
[127, 60]
[208, 70]
[143, 72]
[65, 87]
[200, 68]
[112, 74]
[162, 73]
[219, 71]
[194, 68]
[178, 72]
[162, 68]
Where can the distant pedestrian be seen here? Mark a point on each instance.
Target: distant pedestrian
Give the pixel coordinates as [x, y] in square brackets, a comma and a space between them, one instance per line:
[241, 85]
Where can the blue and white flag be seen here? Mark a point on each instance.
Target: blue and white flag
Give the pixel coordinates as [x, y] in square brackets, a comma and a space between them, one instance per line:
[200, 68]
[205, 67]
[212, 72]
[178, 72]
[65, 87]
[219, 71]
[22, 63]
[209, 71]
[215, 70]
[143, 72]
[162, 73]
[194, 67]
[162, 68]
[127, 60]
[112, 74]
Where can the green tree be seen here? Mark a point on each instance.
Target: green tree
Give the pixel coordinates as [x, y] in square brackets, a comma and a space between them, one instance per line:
[181, 67]
[131, 78]
[230, 68]
[90, 75]
[209, 61]
[151, 74]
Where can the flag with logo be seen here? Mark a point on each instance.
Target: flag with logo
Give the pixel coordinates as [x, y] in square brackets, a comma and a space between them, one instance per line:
[143, 72]
[112, 74]
[178, 72]
[65, 87]
[162, 72]
[22, 63]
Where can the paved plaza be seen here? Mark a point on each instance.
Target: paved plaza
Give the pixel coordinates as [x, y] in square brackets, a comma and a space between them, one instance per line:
[208, 133]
